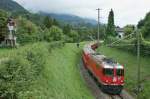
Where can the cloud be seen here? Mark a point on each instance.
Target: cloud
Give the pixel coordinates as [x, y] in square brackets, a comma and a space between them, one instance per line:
[126, 11]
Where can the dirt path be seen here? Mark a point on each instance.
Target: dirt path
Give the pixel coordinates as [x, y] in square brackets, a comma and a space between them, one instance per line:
[95, 89]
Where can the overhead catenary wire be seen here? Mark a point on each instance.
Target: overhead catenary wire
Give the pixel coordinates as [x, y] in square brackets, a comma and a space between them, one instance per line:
[121, 45]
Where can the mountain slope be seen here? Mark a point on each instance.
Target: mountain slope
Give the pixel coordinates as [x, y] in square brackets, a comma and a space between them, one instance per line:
[68, 18]
[11, 6]
[17, 9]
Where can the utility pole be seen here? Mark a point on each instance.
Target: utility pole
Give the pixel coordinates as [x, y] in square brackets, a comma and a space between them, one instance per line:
[98, 32]
[138, 64]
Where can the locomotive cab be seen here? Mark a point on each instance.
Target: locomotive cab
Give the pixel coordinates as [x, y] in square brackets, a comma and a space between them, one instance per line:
[113, 77]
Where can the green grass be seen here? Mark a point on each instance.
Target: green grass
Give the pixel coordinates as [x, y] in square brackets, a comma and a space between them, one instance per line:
[130, 64]
[60, 78]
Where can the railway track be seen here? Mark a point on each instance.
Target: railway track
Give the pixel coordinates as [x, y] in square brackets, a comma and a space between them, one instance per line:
[95, 88]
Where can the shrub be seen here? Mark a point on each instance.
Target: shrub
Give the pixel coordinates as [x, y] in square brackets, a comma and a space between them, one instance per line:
[26, 31]
[21, 70]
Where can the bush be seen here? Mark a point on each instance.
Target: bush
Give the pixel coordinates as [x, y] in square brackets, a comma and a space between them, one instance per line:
[56, 33]
[27, 31]
[21, 70]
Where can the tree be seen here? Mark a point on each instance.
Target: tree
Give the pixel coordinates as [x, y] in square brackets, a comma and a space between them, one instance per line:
[47, 35]
[128, 29]
[141, 23]
[26, 30]
[67, 29]
[3, 24]
[146, 29]
[74, 35]
[55, 22]
[48, 22]
[144, 25]
[56, 33]
[110, 26]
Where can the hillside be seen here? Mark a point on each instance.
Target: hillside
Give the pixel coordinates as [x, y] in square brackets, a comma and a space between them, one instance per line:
[72, 19]
[11, 6]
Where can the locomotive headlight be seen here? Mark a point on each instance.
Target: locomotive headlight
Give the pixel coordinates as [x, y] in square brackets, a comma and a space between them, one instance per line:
[107, 81]
[114, 79]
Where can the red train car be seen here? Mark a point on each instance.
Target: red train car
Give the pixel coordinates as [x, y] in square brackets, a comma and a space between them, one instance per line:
[109, 73]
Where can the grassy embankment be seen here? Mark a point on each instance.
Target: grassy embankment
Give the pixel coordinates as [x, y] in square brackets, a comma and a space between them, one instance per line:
[59, 78]
[129, 61]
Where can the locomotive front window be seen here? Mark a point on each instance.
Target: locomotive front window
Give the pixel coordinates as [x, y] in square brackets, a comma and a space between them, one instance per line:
[120, 72]
[108, 72]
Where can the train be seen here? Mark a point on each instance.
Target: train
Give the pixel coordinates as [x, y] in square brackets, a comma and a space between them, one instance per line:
[108, 73]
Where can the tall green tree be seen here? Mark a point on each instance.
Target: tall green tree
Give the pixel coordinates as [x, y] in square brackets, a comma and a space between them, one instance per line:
[48, 22]
[55, 22]
[144, 25]
[110, 26]
[67, 29]
[146, 29]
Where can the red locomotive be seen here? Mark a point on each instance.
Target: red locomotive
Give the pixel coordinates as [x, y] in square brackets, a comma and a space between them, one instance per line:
[109, 73]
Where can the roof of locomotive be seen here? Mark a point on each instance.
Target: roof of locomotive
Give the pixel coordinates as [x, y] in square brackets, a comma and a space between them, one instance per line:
[88, 49]
[107, 62]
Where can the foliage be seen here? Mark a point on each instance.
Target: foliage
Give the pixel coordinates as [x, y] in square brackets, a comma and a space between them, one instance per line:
[3, 23]
[48, 22]
[146, 29]
[20, 70]
[34, 71]
[27, 31]
[56, 33]
[67, 29]
[74, 35]
[128, 29]
[55, 22]
[47, 35]
[144, 25]
[110, 26]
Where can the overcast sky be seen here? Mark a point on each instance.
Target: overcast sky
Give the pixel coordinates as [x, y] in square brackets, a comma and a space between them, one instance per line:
[126, 11]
